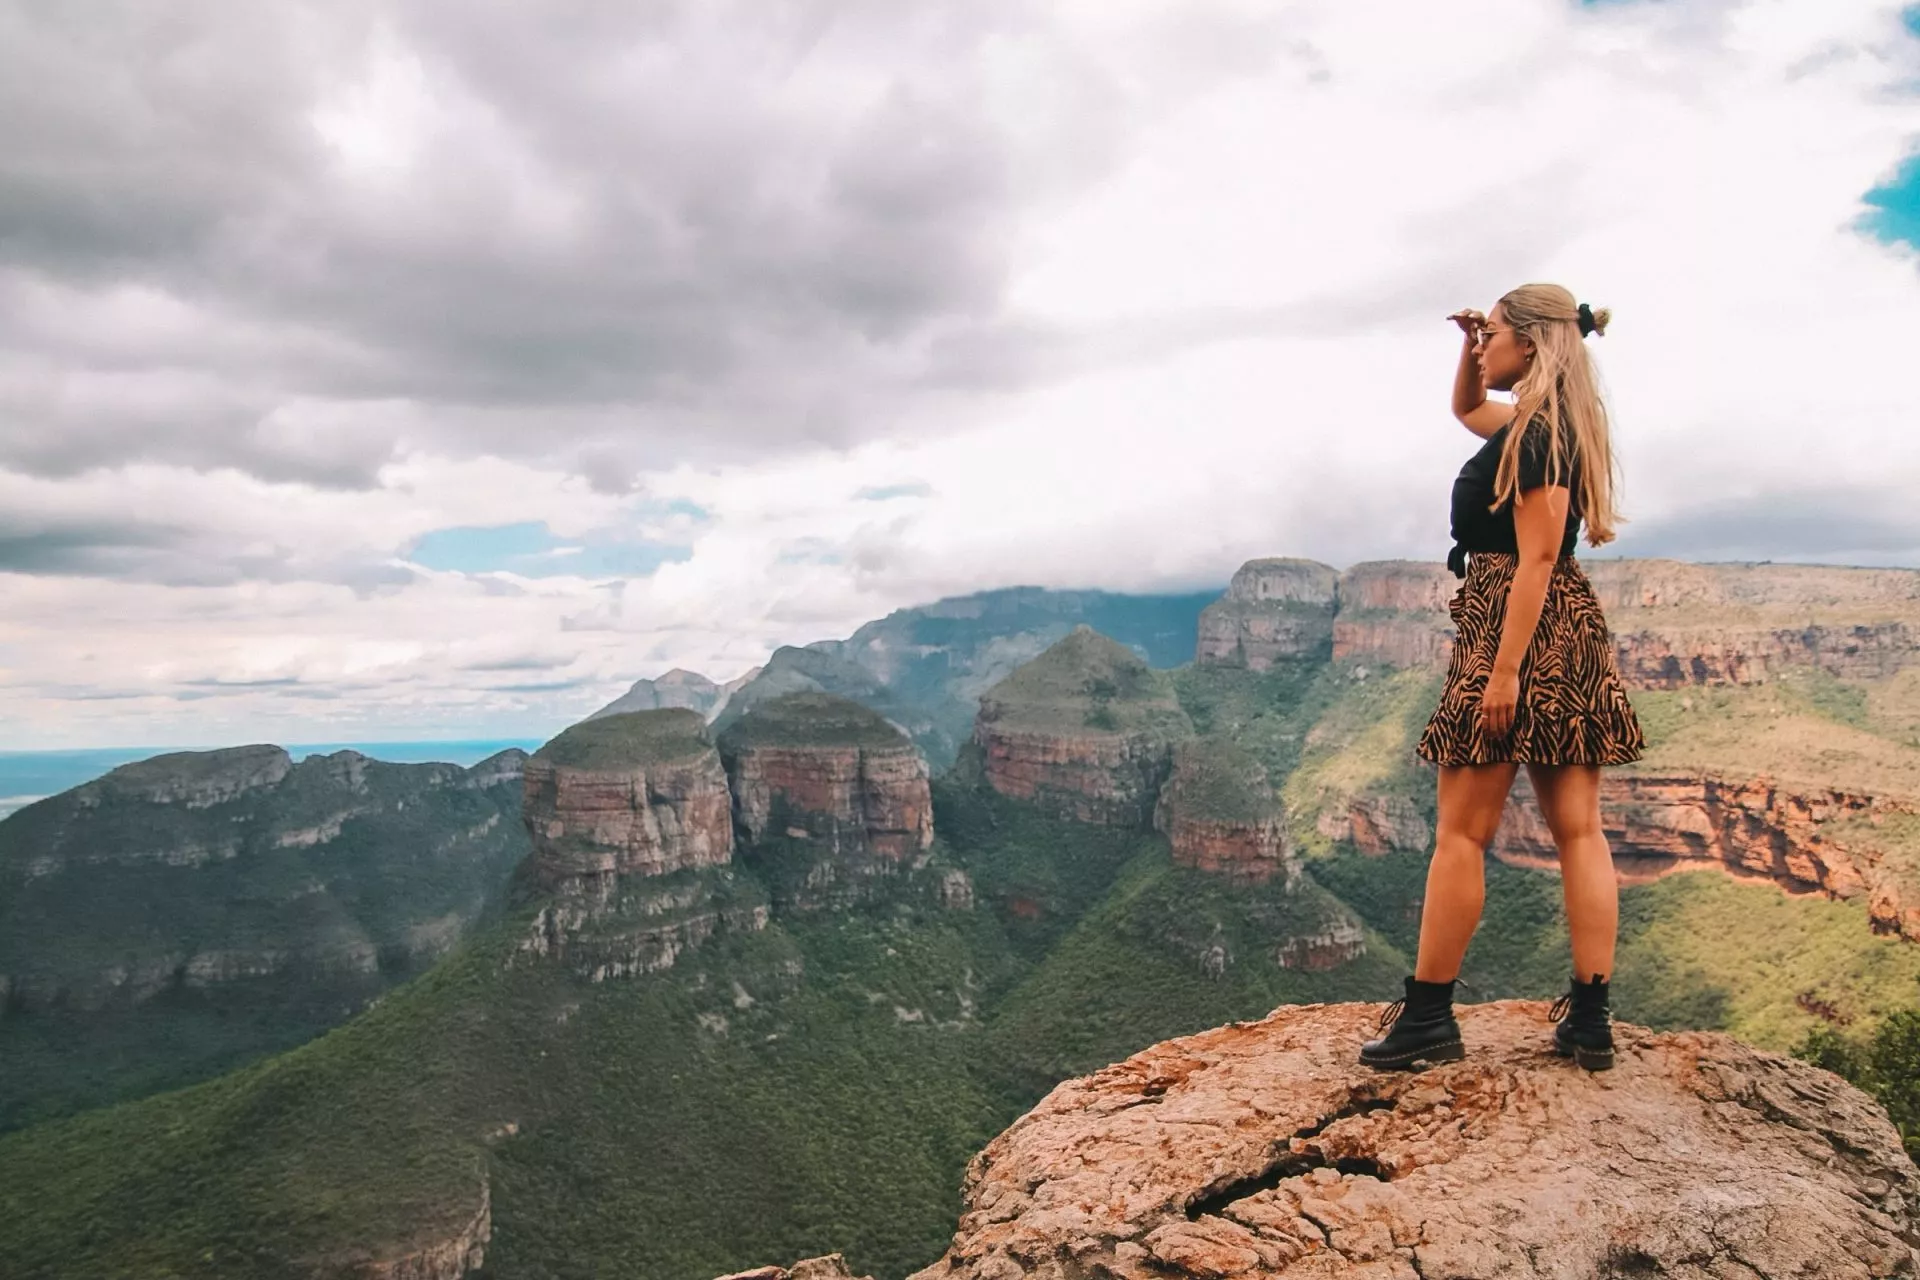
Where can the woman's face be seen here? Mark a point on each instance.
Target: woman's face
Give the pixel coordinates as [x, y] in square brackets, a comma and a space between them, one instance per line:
[1502, 352]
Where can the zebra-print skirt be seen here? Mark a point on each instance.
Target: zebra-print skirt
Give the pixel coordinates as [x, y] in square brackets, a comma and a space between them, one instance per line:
[1573, 708]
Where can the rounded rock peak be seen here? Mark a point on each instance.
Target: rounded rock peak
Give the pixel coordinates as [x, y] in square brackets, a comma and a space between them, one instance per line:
[1087, 681]
[631, 740]
[812, 719]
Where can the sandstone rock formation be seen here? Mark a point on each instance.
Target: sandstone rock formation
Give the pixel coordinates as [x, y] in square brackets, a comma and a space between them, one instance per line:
[1395, 612]
[1273, 609]
[632, 831]
[1377, 824]
[1261, 1149]
[1663, 822]
[813, 766]
[1084, 731]
[1220, 815]
[1674, 624]
[829, 799]
[830, 1267]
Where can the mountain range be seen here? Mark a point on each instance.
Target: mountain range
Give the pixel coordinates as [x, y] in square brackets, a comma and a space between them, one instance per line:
[772, 969]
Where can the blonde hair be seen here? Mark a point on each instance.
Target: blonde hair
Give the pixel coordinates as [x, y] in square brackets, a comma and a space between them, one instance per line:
[1561, 384]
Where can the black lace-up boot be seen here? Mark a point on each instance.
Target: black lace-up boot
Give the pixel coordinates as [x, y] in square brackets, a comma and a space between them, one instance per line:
[1586, 1034]
[1419, 1028]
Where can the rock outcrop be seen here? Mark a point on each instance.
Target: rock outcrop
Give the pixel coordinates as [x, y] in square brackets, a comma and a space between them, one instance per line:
[1674, 624]
[1376, 824]
[833, 1266]
[1273, 609]
[1220, 815]
[1085, 731]
[815, 767]
[1394, 612]
[453, 1258]
[1663, 822]
[632, 828]
[829, 799]
[1262, 1149]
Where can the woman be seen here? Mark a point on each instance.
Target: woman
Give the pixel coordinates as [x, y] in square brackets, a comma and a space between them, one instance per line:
[1532, 679]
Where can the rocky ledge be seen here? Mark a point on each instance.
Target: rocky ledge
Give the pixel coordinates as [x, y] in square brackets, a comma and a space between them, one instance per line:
[1261, 1149]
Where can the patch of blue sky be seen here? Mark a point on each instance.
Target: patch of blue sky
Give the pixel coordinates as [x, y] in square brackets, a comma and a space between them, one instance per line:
[1894, 207]
[531, 550]
[882, 492]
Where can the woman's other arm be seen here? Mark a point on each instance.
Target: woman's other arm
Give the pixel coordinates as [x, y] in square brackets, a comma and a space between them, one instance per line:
[1477, 414]
[1539, 523]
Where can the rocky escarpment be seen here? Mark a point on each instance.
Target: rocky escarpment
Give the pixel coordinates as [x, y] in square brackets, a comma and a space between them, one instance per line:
[1273, 609]
[1085, 731]
[202, 869]
[632, 828]
[1262, 1149]
[1674, 624]
[1395, 612]
[1663, 822]
[1220, 815]
[827, 796]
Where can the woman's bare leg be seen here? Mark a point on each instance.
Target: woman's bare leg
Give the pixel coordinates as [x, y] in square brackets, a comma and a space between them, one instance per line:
[1570, 802]
[1472, 798]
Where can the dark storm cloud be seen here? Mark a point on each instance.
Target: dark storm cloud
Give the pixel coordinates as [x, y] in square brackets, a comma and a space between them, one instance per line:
[1786, 525]
[140, 550]
[289, 238]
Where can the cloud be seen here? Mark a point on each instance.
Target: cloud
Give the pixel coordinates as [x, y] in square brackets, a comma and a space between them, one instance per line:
[409, 369]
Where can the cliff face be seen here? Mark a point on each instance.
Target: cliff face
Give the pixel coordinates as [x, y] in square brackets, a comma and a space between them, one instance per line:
[1674, 624]
[812, 766]
[1084, 731]
[1660, 823]
[1262, 1149]
[202, 869]
[1395, 612]
[829, 799]
[1273, 609]
[1220, 815]
[632, 832]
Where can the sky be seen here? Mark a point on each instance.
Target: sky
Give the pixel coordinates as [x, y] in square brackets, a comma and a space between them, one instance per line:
[436, 368]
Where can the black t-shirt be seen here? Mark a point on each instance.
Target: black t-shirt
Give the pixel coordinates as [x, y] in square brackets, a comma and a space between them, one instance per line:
[1475, 528]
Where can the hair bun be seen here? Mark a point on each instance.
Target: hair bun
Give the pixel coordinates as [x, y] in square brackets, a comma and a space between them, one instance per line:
[1592, 321]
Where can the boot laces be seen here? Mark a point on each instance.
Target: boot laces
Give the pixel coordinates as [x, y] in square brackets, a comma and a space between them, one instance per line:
[1560, 1007]
[1392, 1012]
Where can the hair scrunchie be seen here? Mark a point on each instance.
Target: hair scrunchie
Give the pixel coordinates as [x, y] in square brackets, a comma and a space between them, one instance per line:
[1586, 319]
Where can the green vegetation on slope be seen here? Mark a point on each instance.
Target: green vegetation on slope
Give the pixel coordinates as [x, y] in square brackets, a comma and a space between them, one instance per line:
[631, 739]
[1696, 949]
[1087, 683]
[152, 944]
[1216, 779]
[810, 720]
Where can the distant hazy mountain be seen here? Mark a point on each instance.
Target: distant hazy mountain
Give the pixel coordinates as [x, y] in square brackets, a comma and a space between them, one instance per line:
[677, 688]
[187, 911]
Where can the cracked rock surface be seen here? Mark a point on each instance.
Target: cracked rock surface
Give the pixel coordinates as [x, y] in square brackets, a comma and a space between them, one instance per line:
[1264, 1149]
